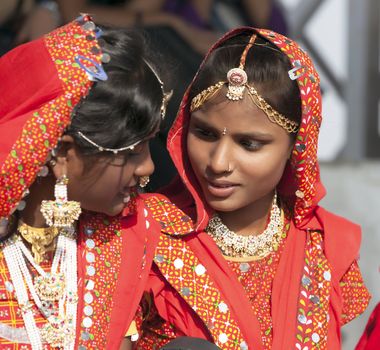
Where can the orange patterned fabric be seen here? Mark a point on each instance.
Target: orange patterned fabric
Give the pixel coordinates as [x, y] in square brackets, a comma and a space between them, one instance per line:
[304, 161]
[10, 313]
[101, 243]
[257, 279]
[182, 270]
[313, 307]
[354, 294]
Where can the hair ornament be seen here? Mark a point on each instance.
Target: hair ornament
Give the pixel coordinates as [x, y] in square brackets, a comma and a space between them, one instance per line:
[298, 71]
[94, 72]
[166, 96]
[237, 77]
[237, 81]
[106, 149]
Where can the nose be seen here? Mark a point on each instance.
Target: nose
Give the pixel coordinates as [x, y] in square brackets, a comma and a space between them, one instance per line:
[146, 167]
[219, 162]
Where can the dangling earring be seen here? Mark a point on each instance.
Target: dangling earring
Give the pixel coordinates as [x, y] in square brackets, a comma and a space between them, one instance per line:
[60, 212]
[143, 181]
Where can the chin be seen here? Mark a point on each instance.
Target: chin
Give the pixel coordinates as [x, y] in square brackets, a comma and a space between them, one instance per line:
[222, 205]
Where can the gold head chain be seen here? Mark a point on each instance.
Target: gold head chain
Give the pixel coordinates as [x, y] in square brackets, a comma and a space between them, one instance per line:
[237, 81]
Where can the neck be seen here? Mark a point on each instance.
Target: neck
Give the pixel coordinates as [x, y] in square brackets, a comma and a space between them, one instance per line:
[251, 219]
[42, 189]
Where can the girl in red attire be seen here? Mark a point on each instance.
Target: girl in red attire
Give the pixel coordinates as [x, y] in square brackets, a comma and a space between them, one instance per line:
[77, 109]
[247, 258]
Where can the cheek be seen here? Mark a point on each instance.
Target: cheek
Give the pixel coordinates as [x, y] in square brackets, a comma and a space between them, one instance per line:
[198, 159]
[267, 167]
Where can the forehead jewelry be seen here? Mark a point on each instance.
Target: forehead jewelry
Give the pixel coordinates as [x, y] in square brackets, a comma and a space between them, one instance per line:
[237, 81]
[105, 149]
[224, 132]
[165, 100]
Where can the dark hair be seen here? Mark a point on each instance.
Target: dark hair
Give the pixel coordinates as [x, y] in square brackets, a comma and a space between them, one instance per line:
[126, 107]
[266, 66]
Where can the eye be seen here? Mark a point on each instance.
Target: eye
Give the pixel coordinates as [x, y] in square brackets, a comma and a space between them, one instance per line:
[203, 133]
[251, 145]
[137, 151]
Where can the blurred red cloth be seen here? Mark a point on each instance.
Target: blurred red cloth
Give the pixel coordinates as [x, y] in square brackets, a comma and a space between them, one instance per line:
[370, 339]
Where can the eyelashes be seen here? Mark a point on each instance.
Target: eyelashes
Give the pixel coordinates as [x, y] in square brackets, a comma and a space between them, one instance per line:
[209, 135]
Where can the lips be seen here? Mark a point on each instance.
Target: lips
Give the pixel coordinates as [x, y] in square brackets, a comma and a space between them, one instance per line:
[221, 188]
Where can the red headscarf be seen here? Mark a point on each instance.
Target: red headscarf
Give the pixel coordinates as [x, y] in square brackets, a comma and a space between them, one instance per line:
[300, 186]
[41, 82]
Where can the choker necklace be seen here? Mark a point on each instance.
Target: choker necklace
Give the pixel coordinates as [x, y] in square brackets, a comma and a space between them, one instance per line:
[259, 246]
[55, 294]
[39, 238]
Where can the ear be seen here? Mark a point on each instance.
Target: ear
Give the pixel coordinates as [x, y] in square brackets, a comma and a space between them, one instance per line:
[64, 150]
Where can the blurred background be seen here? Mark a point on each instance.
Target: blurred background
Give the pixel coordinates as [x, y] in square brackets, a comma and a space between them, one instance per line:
[342, 36]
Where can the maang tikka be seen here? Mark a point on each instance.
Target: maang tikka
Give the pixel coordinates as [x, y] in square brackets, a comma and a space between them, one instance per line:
[61, 212]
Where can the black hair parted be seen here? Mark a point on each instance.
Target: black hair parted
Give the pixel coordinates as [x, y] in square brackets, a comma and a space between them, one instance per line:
[125, 108]
[266, 67]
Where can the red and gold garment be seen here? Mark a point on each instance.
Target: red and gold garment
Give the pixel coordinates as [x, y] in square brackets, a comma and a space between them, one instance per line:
[41, 83]
[257, 279]
[313, 286]
[113, 265]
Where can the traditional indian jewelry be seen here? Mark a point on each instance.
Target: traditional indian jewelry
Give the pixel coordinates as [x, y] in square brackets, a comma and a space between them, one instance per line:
[105, 149]
[259, 246]
[237, 81]
[224, 132]
[41, 239]
[143, 181]
[60, 212]
[54, 293]
[166, 96]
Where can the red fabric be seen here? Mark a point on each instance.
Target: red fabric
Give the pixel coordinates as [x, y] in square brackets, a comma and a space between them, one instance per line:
[136, 260]
[370, 339]
[41, 82]
[301, 175]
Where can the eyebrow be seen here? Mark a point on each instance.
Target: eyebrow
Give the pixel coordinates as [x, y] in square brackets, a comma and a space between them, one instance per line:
[252, 134]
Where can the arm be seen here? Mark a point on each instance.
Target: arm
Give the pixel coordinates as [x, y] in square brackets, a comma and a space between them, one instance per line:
[126, 344]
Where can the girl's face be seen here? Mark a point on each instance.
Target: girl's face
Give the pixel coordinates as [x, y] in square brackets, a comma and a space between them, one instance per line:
[237, 154]
[103, 184]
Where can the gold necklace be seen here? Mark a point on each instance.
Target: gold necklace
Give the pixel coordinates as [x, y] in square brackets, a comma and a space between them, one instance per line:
[39, 238]
[253, 246]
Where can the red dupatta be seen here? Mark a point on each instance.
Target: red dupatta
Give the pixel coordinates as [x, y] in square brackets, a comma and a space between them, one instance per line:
[41, 83]
[306, 292]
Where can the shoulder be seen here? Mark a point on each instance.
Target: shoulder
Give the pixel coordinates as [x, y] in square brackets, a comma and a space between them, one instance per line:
[172, 219]
[342, 239]
[337, 224]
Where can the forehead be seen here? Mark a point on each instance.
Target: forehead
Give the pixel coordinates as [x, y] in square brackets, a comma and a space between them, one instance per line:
[238, 116]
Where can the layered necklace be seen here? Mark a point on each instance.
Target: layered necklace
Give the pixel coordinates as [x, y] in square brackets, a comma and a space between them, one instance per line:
[55, 294]
[255, 246]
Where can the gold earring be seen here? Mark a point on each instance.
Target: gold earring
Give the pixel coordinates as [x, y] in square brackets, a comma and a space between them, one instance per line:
[60, 212]
[143, 181]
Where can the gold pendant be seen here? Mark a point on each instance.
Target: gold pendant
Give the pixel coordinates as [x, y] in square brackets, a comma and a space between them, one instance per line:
[58, 332]
[50, 287]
